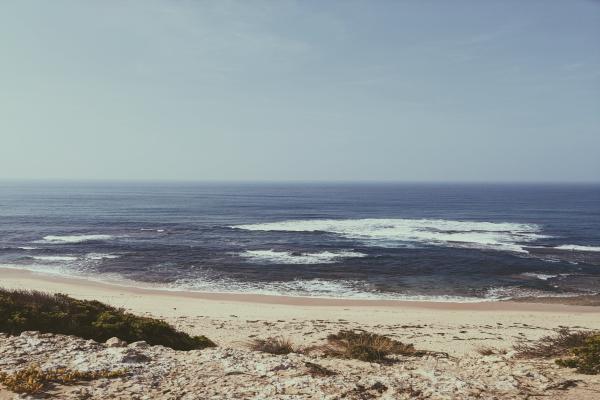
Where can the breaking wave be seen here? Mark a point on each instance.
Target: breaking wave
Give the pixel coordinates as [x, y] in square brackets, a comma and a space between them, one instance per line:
[318, 288]
[505, 236]
[575, 247]
[289, 257]
[55, 258]
[100, 256]
[69, 239]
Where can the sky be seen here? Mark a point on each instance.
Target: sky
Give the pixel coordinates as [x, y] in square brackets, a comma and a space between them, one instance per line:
[485, 91]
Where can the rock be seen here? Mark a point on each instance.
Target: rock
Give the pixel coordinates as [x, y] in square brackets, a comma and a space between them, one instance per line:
[139, 345]
[115, 342]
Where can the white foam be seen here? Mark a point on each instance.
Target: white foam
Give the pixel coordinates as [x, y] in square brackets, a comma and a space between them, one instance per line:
[55, 269]
[55, 258]
[543, 277]
[511, 292]
[288, 257]
[100, 256]
[506, 236]
[28, 248]
[576, 247]
[317, 288]
[66, 239]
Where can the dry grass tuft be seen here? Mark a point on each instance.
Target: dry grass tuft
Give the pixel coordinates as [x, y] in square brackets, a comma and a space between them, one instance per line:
[273, 345]
[33, 379]
[366, 346]
[557, 345]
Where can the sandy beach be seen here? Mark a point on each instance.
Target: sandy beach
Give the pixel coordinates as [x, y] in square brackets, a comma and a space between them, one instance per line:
[232, 319]
[232, 370]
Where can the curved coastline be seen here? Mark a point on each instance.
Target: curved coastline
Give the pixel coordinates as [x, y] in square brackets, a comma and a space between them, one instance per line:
[26, 279]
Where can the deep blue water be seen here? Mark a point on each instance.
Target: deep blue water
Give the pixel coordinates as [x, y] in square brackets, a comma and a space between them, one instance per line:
[340, 240]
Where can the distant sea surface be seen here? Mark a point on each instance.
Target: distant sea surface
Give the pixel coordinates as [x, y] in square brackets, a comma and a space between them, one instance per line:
[364, 241]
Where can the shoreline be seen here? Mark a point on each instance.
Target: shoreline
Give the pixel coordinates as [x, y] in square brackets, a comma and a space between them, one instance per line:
[10, 278]
[232, 320]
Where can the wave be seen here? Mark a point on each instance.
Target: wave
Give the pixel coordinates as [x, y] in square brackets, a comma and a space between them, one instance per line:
[576, 247]
[70, 239]
[288, 257]
[27, 248]
[100, 256]
[315, 288]
[515, 292]
[506, 236]
[54, 269]
[543, 277]
[54, 258]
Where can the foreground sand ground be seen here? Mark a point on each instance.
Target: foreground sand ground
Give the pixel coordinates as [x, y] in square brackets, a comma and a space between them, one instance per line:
[232, 320]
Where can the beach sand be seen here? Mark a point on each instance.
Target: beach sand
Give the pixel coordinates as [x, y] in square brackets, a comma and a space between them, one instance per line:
[232, 319]
[233, 371]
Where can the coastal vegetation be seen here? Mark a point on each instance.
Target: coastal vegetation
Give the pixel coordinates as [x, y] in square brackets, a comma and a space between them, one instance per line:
[585, 358]
[33, 379]
[58, 313]
[365, 346]
[357, 345]
[576, 349]
[274, 345]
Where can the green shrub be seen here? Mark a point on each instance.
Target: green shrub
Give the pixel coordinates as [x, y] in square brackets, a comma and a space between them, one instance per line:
[585, 358]
[36, 311]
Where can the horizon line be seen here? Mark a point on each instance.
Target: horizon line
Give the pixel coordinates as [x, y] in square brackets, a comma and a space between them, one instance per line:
[292, 181]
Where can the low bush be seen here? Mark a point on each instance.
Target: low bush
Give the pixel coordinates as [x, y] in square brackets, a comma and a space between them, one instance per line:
[365, 346]
[58, 313]
[33, 380]
[585, 358]
[274, 345]
[557, 345]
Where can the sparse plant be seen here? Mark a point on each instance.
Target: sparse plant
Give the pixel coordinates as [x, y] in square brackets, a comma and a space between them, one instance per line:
[22, 310]
[273, 345]
[556, 345]
[33, 379]
[585, 358]
[365, 346]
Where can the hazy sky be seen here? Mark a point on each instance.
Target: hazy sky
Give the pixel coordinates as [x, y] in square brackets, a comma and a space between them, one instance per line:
[300, 90]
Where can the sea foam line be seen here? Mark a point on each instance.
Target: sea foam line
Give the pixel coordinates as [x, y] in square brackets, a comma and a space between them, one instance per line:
[54, 258]
[505, 236]
[70, 239]
[576, 247]
[289, 257]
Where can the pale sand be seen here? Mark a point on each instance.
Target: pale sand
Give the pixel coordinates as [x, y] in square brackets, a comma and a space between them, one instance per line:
[233, 319]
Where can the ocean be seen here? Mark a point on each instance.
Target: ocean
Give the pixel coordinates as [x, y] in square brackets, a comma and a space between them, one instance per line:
[438, 242]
